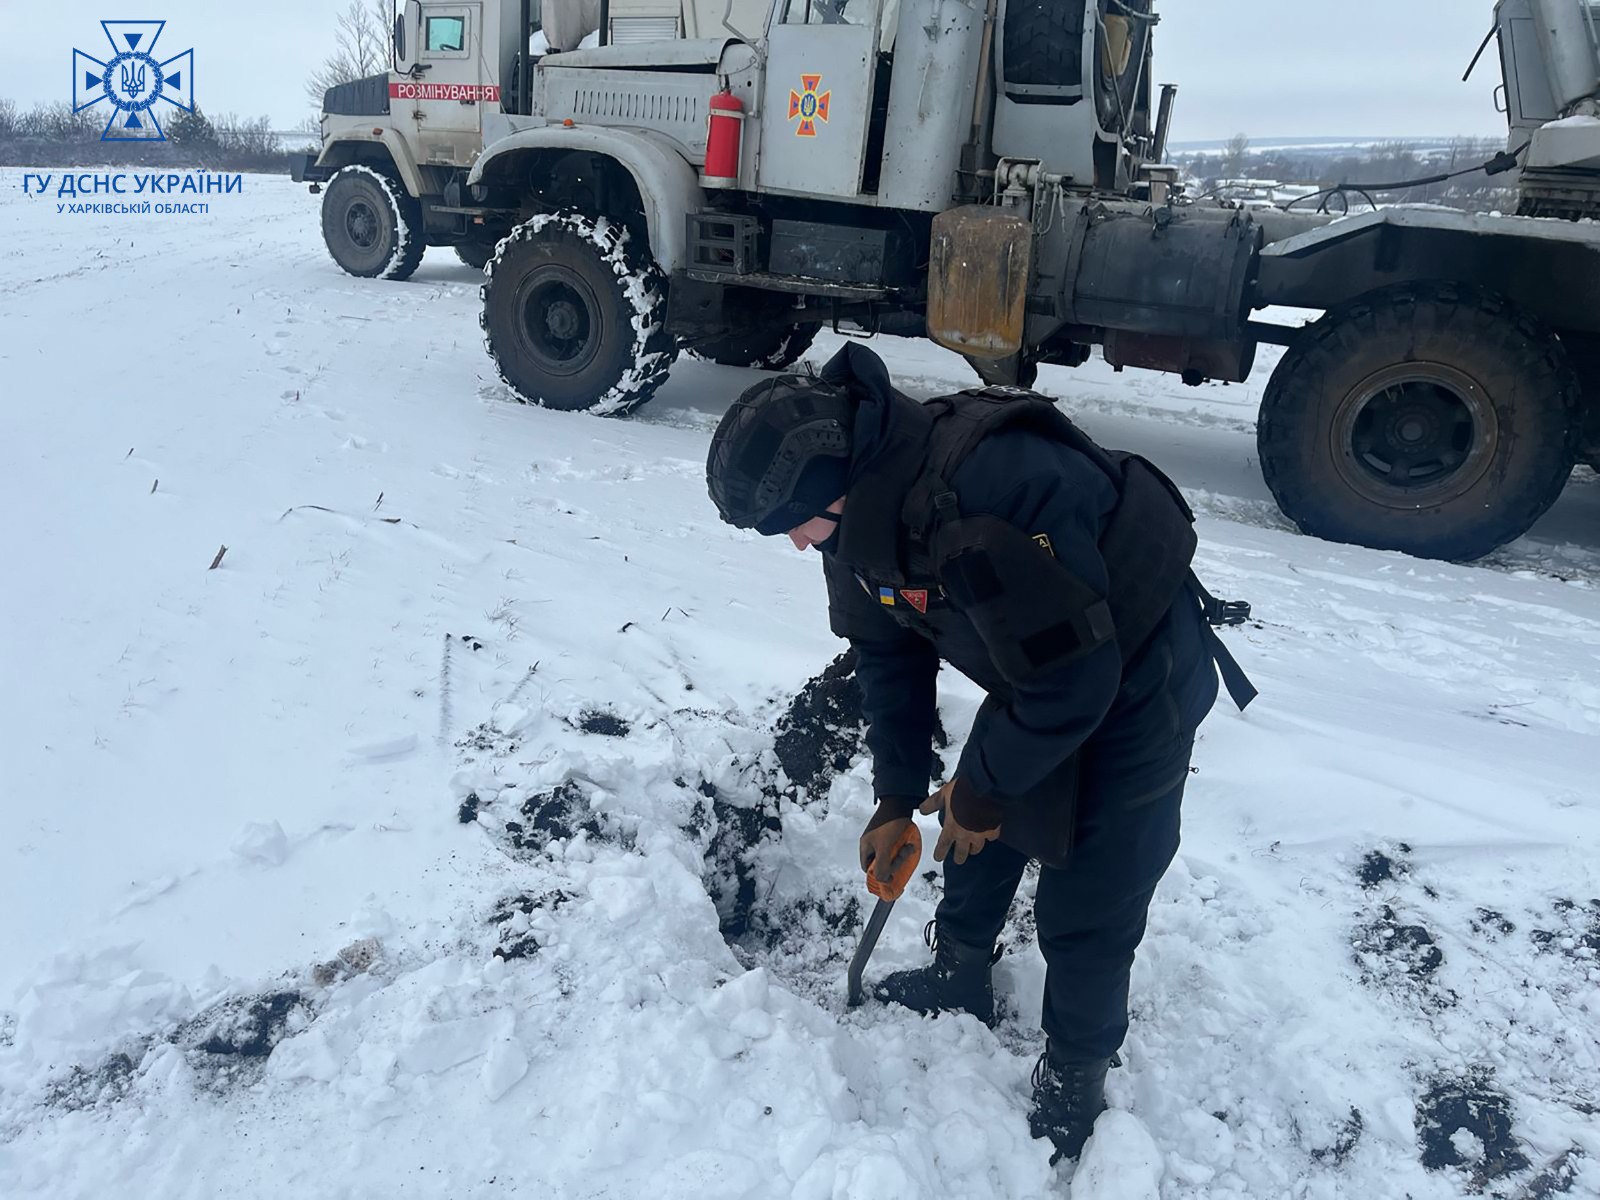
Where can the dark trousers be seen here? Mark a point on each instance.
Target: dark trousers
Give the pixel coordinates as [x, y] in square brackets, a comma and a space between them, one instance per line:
[1090, 914]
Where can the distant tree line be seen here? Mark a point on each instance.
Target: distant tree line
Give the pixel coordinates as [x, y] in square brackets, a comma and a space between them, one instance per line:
[52, 135]
[1384, 162]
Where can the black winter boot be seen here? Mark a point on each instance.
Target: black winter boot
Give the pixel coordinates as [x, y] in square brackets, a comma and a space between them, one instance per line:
[1067, 1097]
[956, 981]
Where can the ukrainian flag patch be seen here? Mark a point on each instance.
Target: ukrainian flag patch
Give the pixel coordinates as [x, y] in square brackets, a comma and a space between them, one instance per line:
[886, 596]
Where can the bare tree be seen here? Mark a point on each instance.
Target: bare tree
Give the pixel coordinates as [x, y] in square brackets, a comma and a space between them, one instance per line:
[361, 40]
[1236, 157]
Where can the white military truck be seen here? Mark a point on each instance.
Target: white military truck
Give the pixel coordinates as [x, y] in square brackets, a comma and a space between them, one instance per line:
[727, 176]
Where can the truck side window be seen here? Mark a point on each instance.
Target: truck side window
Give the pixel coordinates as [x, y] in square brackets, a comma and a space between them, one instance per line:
[447, 34]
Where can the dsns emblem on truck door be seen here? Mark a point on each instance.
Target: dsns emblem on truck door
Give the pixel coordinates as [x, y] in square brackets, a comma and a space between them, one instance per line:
[808, 105]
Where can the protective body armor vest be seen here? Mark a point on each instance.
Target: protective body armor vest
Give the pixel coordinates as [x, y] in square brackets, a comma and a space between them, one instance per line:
[1033, 615]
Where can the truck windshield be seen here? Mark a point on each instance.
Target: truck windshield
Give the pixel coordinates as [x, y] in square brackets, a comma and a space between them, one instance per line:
[831, 12]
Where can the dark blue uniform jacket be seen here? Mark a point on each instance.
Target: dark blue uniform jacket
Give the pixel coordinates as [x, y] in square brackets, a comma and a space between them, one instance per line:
[1131, 726]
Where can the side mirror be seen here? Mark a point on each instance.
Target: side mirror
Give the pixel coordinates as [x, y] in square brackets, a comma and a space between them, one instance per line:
[399, 39]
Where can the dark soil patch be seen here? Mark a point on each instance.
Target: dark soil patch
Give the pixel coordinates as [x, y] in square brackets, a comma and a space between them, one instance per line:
[85, 1088]
[1345, 1139]
[468, 812]
[1389, 951]
[825, 729]
[514, 945]
[798, 925]
[1492, 924]
[246, 1027]
[1556, 1179]
[1468, 1101]
[730, 874]
[605, 724]
[1377, 867]
[557, 815]
[1577, 932]
[486, 739]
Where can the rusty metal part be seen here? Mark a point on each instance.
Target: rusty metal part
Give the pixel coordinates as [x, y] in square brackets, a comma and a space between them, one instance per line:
[978, 274]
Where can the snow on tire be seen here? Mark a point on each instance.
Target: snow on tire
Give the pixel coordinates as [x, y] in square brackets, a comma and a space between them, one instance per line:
[773, 349]
[574, 315]
[371, 226]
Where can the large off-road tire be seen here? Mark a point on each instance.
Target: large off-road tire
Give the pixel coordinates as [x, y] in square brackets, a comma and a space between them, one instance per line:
[475, 254]
[372, 226]
[767, 349]
[574, 315]
[1434, 419]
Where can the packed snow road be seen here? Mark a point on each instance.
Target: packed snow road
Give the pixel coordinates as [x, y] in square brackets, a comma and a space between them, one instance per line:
[472, 828]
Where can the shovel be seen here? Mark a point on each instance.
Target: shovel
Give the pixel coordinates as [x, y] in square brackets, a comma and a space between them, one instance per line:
[903, 858]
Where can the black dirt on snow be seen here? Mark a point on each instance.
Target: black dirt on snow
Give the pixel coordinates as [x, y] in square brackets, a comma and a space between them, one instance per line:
[523, 945]
[105, 1084]
[1579, 932]
[247, 1027]
[557, 815]
[1384, 946]
[825, 728]
[1492, 924]
[1346, 1138]
[1556, 1179]
[729, 874]
[1378, 867]
[598, 721]
[818, 736]
[1468, 1101]
[468, 812]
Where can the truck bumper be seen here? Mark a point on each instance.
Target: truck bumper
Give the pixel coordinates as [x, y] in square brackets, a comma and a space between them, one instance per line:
[303, 168]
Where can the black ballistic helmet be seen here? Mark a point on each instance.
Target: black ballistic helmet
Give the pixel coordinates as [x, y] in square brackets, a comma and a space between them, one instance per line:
[781, 454]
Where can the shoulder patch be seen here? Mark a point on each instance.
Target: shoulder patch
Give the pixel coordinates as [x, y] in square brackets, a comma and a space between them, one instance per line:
[1044, 543]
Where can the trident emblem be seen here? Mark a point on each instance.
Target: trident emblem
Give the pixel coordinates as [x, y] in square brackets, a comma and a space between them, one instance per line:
[132, 79]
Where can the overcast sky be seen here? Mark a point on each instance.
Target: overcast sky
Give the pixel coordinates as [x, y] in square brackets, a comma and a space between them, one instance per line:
[1268, 68]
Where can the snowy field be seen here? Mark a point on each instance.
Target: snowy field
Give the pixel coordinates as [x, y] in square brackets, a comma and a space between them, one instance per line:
[395, 855]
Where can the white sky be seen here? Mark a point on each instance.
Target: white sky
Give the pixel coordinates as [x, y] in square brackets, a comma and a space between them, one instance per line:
[1268, 68]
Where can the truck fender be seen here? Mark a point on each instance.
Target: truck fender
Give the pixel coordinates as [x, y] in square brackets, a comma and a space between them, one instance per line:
[344, 149]
[666, 182]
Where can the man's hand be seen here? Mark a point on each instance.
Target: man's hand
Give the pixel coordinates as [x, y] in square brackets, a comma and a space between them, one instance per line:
[887, 827]
[952, 834]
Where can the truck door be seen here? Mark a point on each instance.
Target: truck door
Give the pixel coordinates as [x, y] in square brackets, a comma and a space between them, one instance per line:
[822, 59]
[450, 84]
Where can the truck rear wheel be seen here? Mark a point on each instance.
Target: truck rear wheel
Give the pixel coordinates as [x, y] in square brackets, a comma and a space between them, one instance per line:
[768, 349]
[475, 254]
[1433, 419]
[372, 227]
[574, 315]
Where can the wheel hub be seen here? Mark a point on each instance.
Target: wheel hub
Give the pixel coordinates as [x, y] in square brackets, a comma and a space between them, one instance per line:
[1415, 433]
[562, 319]
[361, 224]
[560, 322]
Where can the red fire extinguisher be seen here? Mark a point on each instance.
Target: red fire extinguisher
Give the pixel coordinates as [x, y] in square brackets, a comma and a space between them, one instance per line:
[722, 142]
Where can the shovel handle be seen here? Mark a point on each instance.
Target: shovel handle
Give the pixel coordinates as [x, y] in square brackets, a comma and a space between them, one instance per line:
[903, 858]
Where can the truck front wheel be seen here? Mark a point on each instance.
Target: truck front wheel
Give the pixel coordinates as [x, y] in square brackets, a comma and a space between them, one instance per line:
[372, 227]
[1431, 419]
[574, 315]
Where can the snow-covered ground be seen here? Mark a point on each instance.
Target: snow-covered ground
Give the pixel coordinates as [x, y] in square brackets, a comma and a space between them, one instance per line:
[474, 677]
